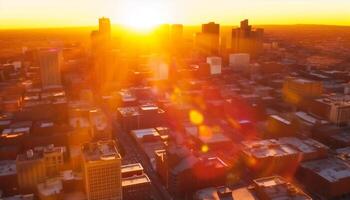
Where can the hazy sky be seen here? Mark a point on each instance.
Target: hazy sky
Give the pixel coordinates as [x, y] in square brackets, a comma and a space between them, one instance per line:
[50, 13]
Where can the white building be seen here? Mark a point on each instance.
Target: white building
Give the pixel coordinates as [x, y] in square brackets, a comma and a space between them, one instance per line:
[215, 65]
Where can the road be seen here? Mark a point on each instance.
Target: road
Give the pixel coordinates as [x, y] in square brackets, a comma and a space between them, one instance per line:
[133, 154]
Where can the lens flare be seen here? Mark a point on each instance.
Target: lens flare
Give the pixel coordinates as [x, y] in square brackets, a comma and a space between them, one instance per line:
[196, 117]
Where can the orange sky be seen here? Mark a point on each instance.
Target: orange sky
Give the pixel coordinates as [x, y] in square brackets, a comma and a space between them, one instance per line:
[143, 13]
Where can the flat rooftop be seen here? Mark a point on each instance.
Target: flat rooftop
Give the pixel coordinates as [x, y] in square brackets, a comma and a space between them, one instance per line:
[131, 168]
[50, 187]
[7, 167]
[100, 151]
[140, 133]
[344, 154]
[282, 146]
[331, 169]
[20, 197]
[136, 180]
[276, 187]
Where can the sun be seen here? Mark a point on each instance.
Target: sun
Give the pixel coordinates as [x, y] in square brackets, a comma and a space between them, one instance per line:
[143, 16]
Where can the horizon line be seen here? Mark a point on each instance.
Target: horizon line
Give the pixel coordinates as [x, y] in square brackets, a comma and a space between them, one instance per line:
[185, 25]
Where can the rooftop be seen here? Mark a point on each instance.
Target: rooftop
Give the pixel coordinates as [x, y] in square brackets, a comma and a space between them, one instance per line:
[50, 187]
[20, 197]
[100, 151]
[344, 154]
[282, 146]
[140, 133]
[7, 167]
[135, 180]
[331, 169]
[131, 168]
[276, 187]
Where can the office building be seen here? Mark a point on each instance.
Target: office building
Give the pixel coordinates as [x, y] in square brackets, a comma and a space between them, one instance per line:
[102, 171]
[30, 170]
[332, 176]
[54, 158]
[335, 109]
[8, 176]
[50, 189]
[247, 40]
[215, 64]
[207, 42]
[266, 188]
[176, 34]
[135, 183]
[299, 91]
[50, 68]
[239, 61]
[103, 57]
[105, 28]
[282, 156]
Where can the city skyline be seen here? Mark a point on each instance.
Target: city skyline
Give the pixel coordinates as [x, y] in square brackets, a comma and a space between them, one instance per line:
[146, 14]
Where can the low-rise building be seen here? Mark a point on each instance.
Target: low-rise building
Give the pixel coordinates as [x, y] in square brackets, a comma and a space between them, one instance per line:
[267, 188]
[8, 176]
[31, 170]
[282, 156]
[329, 178]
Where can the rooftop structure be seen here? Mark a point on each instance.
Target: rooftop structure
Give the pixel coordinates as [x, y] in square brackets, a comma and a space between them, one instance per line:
[50, 188]
[344, 154]
[103, 150]
[7, 167]
[277, 188]
[333, 175]
[269, 157]
[267, 188]
[135, 180]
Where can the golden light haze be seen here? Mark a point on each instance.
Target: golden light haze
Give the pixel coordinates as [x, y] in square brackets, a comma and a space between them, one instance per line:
[147, 13]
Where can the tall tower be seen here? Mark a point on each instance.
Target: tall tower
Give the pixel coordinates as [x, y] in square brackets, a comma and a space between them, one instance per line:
[50, 64]
[101, 53]
[102, 171]
[105, 28]
[247, 40]
[207, 41]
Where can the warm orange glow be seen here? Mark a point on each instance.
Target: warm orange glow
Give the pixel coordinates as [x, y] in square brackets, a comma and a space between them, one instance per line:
[205, 148]
[196, 117]
[144, 14]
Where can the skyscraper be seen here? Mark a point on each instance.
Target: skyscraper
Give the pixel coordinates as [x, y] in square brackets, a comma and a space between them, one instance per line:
[176, 33]
[246, 40]
[50, 64]
[207, 41]
[102, 171]
[101, 52]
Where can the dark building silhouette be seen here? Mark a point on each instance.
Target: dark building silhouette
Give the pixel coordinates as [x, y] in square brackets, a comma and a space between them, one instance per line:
[247, 40]
[102, 55]
[207, 42]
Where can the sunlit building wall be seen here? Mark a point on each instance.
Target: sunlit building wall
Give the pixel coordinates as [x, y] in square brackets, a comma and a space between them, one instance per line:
[30, 170]
[50, 65]
[102, 171]
[247, 40]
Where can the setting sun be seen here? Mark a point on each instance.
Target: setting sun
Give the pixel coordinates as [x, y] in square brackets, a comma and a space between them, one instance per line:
[142, 16]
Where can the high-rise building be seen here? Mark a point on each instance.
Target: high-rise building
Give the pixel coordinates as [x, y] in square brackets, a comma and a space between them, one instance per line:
[207, 42]
[105, 27]
[102, 171]
[101, 52]
[247, 40]
[50, 64]
[30, 170]
[176, 33]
